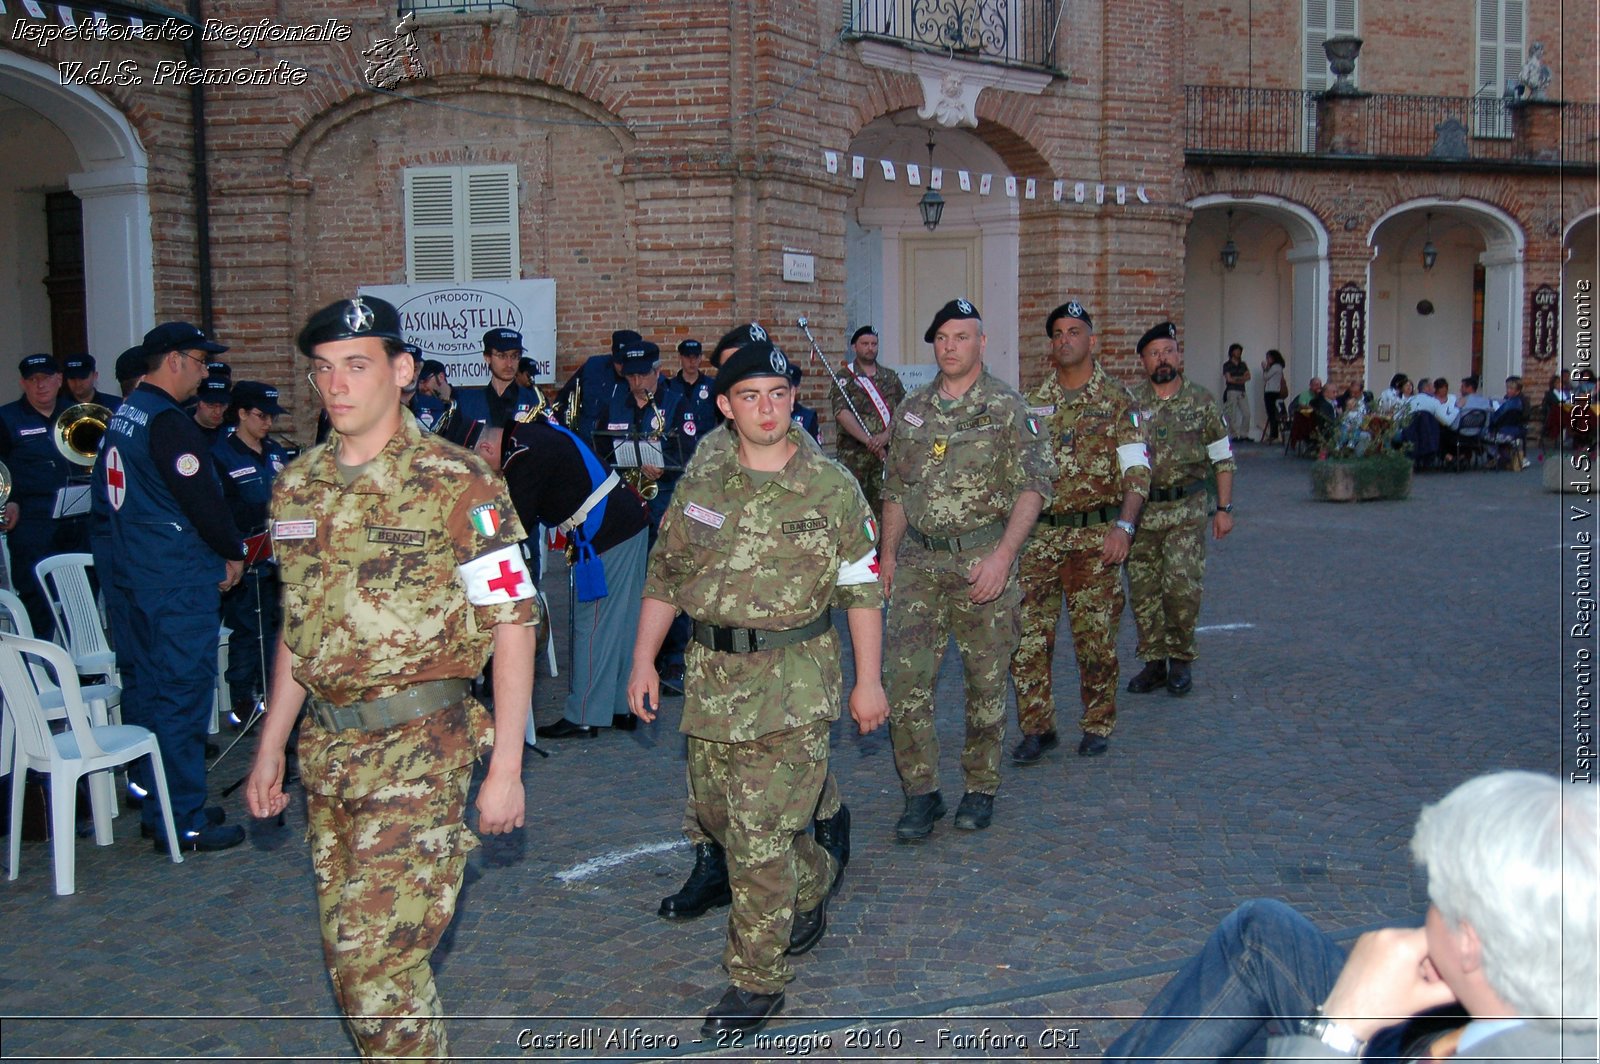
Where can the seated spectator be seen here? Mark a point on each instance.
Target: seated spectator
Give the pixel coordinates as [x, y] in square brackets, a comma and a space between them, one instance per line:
[1304, 398]
[1583, 381]
[1357, 396]
[1325, 407]
[1508, 426]
[1394, 396]
[1512, 861]
[1441, 392]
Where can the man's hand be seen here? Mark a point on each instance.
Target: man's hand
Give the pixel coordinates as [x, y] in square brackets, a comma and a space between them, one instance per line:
[651, 472]
[263, 794]
[8, 519]
[988, 577]
[879, 445]
[885, 572]
[1387, 974]
[500, 803]
[234, 572]
[644, 692]
[1114, 551]
[869, 706]
[1221, 524]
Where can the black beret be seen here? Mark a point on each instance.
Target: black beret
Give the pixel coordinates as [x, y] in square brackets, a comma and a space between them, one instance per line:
[1070, 309]
[758, 359]
[179, 336]
[351, 319]
[1165, 331]
[955, 310]
[690, 347]
[865, 330]
[752, 333]
[622, 338]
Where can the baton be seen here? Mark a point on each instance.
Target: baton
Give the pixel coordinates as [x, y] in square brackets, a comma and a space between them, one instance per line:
[816, 353]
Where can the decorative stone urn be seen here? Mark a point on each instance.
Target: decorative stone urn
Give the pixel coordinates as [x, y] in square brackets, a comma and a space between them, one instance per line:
[1342, 53]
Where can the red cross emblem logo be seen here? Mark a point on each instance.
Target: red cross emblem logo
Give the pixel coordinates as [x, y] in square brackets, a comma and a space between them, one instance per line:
[508, 580]
[116, 480]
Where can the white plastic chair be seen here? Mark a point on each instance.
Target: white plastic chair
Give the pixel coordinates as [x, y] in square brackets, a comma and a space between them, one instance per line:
[83, 749]
[79, 627]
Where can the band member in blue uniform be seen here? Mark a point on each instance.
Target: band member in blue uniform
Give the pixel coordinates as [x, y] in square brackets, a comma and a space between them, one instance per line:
[588, 392]
[648, 420]
[498, 404]
[82, 379]
[38, 473]
[177, 550]
[697, 406]
[803, 415]
[248, 461]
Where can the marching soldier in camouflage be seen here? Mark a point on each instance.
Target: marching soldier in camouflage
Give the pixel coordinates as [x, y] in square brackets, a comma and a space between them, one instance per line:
[760, 540]
[1078, 547]
[402, 568]
[1166, 569]
[875, 391]
[968, 473]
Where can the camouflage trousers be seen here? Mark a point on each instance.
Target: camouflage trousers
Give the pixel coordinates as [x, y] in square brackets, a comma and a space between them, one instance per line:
[867, 468]
[1166, 574]
[1057, 563]
[756, 799]
[925, 610]
[388, 867]
[827, 808]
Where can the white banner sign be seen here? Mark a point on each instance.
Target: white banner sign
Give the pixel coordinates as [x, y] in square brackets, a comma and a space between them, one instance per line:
[448, 322]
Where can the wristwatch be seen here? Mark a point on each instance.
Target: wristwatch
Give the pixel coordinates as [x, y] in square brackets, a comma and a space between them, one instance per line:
[1336, 1036]
[1228, 509]
[1126, 526]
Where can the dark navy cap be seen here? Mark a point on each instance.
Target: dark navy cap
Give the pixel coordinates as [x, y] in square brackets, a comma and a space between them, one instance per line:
[642, 357]
[34, 365]
[214, 390]
[528, 366]
[1070, 309]
[179, 336]
[759, 359]
[134, 362]
[78, 367]
[690, 349]
[955, 310]
[795, 374]
[738, 337]
[622, 339]
[351, 319]
[218, 368]
[1165, 331]
[255, 395]
[865, 330]
[429, 368]
[502, 340]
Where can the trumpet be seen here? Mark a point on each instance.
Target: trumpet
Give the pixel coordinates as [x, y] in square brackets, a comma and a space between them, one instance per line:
[79, 430]
[634, 476]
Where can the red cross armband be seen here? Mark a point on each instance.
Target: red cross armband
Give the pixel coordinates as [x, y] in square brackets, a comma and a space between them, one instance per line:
[496, 577]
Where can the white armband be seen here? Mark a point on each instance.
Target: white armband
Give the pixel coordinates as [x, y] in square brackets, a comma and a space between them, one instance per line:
[1220, 450]
[497, 577]
[864, 570]
[1132, 456]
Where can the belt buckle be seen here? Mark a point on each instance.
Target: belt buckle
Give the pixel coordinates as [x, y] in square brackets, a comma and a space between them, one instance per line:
[742, 641]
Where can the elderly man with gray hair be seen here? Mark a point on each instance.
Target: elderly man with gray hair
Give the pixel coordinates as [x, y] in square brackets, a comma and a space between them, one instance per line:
[1512, 860]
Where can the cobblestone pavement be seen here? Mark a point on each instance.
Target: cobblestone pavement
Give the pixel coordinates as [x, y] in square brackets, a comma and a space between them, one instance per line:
[1356, 661]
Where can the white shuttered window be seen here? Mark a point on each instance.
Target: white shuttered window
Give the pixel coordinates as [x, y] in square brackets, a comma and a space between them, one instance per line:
[1502, 39]
[1323, 19]
[461, 224]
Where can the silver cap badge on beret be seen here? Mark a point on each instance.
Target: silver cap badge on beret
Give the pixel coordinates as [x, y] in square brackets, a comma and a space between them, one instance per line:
[358, 317]
[778, 363]
[757, 333]
[964, 307]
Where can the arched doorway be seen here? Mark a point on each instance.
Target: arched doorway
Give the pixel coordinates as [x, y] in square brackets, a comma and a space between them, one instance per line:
[1580, 279]
[67, 138]
[1463, 313]
[1275, 296]
[897, 273]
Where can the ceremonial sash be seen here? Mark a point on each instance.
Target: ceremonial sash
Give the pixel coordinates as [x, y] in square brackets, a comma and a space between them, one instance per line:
[872, 393]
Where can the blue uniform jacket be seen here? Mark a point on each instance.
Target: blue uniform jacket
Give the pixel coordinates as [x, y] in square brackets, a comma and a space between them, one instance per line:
[247, 479]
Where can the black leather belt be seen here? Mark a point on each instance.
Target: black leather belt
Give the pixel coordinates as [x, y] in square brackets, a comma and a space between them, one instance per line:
[1176, 493]
[978, 537]
[1082, 519]
[750, 640]
[398, 708]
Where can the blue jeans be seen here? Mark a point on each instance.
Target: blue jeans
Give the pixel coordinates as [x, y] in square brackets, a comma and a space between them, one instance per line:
[1263, 962]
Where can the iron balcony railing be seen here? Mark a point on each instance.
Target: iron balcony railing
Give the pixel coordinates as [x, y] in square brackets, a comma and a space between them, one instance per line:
[459, 7]
[1009, 31]
[1225, 120]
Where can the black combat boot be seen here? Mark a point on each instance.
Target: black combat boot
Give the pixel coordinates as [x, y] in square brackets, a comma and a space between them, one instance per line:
[706, 887]
[1153, 675]
[833, 835]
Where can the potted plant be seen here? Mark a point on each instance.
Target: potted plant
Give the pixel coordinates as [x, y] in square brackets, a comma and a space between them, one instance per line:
[1361, 457]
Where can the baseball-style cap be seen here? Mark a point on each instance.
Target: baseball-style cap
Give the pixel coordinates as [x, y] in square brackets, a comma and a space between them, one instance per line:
[642, 357]
[78, 367]
[34, 365]
[256, 395]
[429, 368]
[621, 340]
[502, 340]
[955, 310]
[759, 359]
[134, 362]
[690, 349]
[214, 390]
[218, 368]
[528, 366]
[351, 319]
[179, 336]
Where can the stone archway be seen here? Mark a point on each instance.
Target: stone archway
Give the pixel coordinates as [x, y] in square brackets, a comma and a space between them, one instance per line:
[1580, 279]
[84, 143]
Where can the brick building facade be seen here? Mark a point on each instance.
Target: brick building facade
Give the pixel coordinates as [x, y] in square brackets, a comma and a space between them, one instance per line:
[668, 154]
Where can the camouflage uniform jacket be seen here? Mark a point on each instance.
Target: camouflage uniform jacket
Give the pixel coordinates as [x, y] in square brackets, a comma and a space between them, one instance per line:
[373, 601]
[769, 557]
[956, 469]
[1179, 431]
[890, 390]
[1086, 432]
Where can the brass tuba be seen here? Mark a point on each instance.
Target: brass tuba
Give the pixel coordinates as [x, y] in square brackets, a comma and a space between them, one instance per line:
[79, 430]
[5, 485]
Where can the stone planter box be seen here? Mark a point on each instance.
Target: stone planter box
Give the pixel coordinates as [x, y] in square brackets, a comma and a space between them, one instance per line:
[1361, 479]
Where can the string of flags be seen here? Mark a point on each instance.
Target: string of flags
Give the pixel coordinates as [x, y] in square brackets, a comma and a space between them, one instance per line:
[67, 15]
[1027, 187]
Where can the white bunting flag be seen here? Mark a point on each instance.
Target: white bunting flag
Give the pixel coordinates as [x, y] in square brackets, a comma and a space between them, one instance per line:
[1011, 187]
[936, 179]
[1099, 193]
[33, 8]
[138, 26]
[66, 15]
[858, 167]
[888, 169]
[1056, 192]
[1122, 194]
[1031, 188]
[1077, 192]
[913, 174]
[984, 184]
[832, 159]
[1142, 197]
[966, 180]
